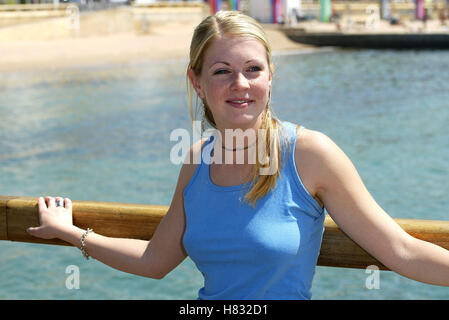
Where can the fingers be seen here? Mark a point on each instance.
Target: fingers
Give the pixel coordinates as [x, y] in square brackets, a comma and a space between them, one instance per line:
[68, 203]
[53, 202]
[50, 202]
[59, 202]
[41, 204]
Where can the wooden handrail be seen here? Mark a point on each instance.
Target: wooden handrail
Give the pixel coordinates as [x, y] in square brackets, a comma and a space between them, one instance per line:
[139, 221]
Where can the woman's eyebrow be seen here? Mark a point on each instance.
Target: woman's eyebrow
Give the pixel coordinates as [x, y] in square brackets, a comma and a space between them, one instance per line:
[224, 62]
[228, 64]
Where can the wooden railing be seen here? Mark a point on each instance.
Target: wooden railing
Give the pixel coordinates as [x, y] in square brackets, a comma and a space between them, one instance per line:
[139, 221]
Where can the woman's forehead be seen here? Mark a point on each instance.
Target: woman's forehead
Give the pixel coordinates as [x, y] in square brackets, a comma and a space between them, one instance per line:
[235, 47]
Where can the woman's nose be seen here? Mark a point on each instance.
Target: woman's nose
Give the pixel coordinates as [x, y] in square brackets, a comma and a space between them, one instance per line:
[239, 81]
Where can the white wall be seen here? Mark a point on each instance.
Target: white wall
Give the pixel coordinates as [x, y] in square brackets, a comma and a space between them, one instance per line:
[260, 10]
[288, 6]
[144, 1]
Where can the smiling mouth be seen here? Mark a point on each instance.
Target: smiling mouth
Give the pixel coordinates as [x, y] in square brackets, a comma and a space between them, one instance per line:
[243, 103]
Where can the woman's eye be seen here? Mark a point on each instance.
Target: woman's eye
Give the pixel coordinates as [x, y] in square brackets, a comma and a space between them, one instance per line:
[255, 69]
[220, 71]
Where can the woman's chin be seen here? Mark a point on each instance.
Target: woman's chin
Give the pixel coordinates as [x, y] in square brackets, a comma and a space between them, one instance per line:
[242, 121]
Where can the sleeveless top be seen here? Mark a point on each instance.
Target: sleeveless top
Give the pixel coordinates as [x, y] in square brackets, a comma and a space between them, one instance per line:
[266, 252]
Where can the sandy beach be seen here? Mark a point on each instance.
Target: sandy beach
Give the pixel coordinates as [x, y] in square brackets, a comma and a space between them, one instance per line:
[105, 37]
[131, 35]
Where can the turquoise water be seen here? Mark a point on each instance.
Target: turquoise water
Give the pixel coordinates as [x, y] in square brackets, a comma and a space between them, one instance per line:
[102, 134]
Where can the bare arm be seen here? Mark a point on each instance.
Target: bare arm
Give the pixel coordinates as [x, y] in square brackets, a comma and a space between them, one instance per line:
[333, 179]
[154, 258]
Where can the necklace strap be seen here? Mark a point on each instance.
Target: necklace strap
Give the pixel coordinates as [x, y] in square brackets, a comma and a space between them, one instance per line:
[240, 149]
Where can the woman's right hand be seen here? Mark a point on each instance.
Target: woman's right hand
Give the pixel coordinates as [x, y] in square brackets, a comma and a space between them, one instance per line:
[53, 219]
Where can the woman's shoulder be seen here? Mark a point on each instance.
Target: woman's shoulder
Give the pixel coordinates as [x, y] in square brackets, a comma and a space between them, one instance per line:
[313, 141]
[315, 154]
[311, 144]
[317, 148]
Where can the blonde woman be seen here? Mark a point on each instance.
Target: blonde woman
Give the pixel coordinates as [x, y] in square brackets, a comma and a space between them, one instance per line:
[252, 235]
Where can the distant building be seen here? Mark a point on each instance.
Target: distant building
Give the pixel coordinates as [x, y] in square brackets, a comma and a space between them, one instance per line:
[274, 11]
[154, 1]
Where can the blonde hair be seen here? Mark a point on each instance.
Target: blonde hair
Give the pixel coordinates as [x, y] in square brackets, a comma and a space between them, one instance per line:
[238, 24]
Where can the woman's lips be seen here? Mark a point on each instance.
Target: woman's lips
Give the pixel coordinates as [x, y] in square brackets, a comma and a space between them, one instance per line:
[243, 103]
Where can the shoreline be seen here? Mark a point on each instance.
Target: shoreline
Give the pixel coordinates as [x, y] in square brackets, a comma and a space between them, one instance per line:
[49, 45]
[94, 62]
[111, 49]
[126, 36]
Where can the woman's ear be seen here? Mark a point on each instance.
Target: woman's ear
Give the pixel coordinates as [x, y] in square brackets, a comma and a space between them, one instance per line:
[194, 80]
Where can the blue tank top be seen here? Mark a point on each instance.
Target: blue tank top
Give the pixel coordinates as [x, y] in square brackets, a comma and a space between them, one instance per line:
[266, 252]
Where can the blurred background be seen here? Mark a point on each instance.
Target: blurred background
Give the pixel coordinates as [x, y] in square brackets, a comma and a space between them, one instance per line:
[91, 90]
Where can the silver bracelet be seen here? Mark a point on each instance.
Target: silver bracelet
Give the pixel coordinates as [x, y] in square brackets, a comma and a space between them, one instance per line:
[83, 238]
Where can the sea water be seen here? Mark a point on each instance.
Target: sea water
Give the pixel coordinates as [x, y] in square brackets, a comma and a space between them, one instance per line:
[102, 134]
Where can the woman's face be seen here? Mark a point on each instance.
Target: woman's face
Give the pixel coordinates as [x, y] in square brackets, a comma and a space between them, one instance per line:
[235, 81]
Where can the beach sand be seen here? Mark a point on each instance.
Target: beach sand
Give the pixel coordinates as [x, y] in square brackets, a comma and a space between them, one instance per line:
[104, 37]
[127, 34]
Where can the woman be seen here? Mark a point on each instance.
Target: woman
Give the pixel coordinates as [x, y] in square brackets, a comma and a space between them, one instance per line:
[253, 228]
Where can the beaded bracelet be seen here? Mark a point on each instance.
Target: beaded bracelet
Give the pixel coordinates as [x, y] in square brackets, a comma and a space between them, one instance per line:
[83, 238]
